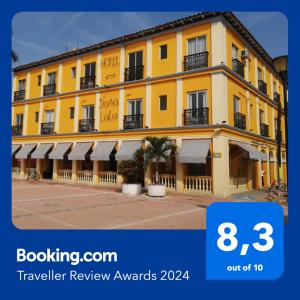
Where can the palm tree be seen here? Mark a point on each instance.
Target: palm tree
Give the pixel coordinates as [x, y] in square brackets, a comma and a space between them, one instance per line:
[14, 56]
[157, 149]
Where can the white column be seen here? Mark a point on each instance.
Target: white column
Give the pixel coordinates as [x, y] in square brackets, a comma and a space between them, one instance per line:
[55, 169]
[268, 168]
[43, 81]
[219, 98]
[149, 58]
[57, 116]
[25, 121]
[98, 68]
[97, 111]
[246, 68]
[179, 170]
[76, 113]
[95, 172]
[264, 74]
[272, 134]
[179, 102]
[218, 43]
[148, 105]
[27, 86]
[122, 63]
[41, 113]
[59, 79]
[179, 56]
[272, 87]
[74, 171]
[248, 126]
[255, 72]
[14, 87]
[220, 163]
[266, 113]
[22, 168]
[121, 108]
[78, 73]
[257, 116]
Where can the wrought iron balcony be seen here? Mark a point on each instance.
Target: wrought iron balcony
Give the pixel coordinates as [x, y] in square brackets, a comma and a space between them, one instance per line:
[276, 97]
[264, 129]
[195, 116]
[47, 128]
[239, 120]
[86, 125]
[262, 86]
[87, 82]
[19, 95]
[49, 89]
[133, 121]
[238, 67]
[17, 130]
[195, 61]
[134, 73]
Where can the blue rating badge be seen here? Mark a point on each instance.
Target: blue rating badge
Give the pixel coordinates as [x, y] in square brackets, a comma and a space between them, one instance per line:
[244, 241]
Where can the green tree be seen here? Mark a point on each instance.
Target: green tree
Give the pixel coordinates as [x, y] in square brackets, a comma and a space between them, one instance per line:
[157, 149]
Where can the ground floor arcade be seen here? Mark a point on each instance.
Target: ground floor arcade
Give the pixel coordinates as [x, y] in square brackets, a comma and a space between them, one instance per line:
[219, 163]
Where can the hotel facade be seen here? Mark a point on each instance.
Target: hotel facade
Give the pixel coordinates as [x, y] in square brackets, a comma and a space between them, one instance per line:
[203, 81]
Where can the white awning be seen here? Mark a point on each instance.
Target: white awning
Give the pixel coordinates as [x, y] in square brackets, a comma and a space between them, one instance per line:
[127, 150]
[41, 151]
[103, 151]
[15, 148]
[194, 151]
[253, 152]
[25, 151]
[79, 151]
[59, 151]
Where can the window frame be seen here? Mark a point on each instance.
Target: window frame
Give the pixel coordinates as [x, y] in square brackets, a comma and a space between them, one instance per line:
[165, 46]
[205, 92]
[71, 112]
[36, 116]
[166, 102]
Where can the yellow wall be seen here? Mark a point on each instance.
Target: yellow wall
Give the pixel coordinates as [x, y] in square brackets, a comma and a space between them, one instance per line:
[68, 82]
[66, 124]
[109, 110]
[164, 118]
[232, 38]
[168, 65]
[35, 89]
[110, 66]
[32, 126]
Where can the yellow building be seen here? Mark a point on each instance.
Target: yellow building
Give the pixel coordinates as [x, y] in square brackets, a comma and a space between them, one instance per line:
[203, 80]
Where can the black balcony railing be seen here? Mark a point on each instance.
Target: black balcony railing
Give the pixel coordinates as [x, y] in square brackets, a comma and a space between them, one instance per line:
[49, 89]
[134, 73]
[195, 61]
[47, 128]
[17, 130]
[86, 125]
[264, 129]
[197, 116]
[239, 120]
[19, 95]
[238, 67]
[133, 121]
[262, 86]
[87, 82]
[276, 97]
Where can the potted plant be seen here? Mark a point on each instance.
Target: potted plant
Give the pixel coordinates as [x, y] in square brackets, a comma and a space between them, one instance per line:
[157, 149]
[131, 173]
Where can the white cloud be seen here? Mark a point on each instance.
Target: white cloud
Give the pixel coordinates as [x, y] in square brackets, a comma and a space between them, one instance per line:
[35, 47]
[67, 25]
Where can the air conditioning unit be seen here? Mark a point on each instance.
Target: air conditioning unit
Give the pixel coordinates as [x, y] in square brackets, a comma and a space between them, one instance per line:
[245, 53]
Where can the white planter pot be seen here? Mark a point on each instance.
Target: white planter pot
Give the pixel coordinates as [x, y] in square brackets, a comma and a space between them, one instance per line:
[131, 188]
[156, 190]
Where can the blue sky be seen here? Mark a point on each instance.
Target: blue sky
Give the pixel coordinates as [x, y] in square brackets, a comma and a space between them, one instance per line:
[40, 35]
